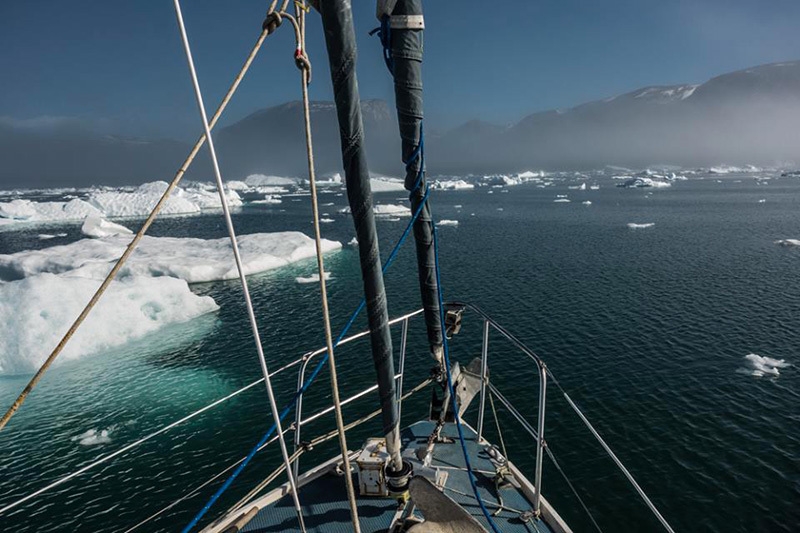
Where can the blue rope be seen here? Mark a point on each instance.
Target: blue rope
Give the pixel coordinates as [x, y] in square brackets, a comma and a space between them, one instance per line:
[384, 32]
[307, 383]
[450, 387]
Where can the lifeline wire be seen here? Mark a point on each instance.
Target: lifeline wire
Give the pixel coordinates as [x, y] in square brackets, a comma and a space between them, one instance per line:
[239, 266]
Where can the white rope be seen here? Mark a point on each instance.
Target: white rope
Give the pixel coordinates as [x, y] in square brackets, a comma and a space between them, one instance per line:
[238, 259]
[304, 68]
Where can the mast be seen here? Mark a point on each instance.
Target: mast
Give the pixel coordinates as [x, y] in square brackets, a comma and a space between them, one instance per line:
[402, 27]
[337, 22]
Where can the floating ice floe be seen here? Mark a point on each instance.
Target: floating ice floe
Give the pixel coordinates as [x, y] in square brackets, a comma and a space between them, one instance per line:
[587, 202]
[788, 242]
[261, 180]
[100, 227]
[634, 225]
[384, 184]
[452, 185]
[326, 220]
[353, 242]
[581, 187]
[192, 260]
[562, 200]
[641, 182]
[762, 201]
[30, 211]
[594, 187]
[447, 223]
[728, 169]
[313, 278]
[120, 202]
[35, 312]
[765, 366]
[269, 200]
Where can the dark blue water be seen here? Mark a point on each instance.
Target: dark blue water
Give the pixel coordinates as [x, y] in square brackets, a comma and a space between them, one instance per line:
[646, 329]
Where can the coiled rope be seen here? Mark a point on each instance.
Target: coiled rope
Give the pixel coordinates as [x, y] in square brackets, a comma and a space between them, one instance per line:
[239, 267]
[267, 30]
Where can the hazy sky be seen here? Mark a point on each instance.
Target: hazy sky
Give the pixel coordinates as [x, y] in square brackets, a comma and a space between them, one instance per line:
[119, 65]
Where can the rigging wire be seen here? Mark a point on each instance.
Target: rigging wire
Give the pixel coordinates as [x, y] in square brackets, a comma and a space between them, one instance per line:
[238, 259]
[305, 69]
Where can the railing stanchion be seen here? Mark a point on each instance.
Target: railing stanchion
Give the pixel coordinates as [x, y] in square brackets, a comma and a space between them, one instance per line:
[540, 441]
[484, 376]
[403, 338]
[298, 414]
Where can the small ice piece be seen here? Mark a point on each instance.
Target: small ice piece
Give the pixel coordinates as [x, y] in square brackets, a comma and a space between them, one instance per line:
[93, 437]
[48, 236]
[788, 242]
[312, 278]
[499, 209]
[587, 202]
[100, 227]
[561, 200]
[635, 225]
[326, 220]
[762, 201]
[594, 187]
[452, 185]
[269, 199]
[457, 206]
[353, 242]
[448, 223]
[762, 365]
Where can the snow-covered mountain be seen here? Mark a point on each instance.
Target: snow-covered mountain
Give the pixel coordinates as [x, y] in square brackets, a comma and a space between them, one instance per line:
[748, 116]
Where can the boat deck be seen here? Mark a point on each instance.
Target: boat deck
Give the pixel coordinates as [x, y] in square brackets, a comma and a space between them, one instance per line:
[326, 509]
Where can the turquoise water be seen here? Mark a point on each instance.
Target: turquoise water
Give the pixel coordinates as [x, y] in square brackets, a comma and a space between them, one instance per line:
[646, 329]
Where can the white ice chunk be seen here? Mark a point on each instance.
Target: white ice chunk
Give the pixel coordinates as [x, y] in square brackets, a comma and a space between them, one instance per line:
[762, 365]
[100, 227]
[447, 223]
[313, 278]
[635, 225]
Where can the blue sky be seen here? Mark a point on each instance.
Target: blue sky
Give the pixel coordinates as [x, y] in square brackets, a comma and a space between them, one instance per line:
[119, 66]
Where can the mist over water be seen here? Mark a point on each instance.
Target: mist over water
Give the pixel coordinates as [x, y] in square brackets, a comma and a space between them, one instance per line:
[658, 333]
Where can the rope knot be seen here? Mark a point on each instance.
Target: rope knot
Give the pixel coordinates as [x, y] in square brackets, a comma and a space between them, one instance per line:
[302, 62]
[272, 22]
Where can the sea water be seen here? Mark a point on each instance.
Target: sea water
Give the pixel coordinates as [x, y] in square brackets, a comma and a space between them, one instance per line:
[670, 316]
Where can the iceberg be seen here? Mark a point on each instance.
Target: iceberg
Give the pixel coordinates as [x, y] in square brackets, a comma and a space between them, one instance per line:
[384, 184]
[36, 312]
[189, 259]
[451, 185]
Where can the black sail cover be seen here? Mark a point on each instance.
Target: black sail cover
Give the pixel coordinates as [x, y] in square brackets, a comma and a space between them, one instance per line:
[337, 22]
[407, 66]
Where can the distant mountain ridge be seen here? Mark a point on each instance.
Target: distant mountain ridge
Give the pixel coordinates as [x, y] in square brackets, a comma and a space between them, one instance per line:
[747, 116]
